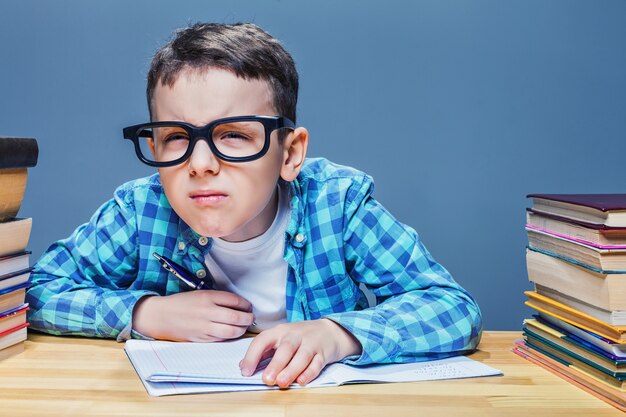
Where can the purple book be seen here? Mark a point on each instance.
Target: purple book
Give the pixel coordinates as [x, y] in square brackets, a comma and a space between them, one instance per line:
[596, 226]
[600, 211]
[601, 202]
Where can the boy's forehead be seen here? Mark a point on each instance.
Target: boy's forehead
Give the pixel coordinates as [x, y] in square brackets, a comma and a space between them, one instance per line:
[199, 96]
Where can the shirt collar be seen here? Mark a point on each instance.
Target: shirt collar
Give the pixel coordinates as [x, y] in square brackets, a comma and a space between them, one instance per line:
[295, 228]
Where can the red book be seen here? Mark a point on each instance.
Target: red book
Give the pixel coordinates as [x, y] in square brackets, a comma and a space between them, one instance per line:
[11, 341]
[12, 319]
[14, 329]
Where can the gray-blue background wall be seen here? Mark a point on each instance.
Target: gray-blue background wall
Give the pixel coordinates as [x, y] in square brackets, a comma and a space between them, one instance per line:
[457, 108]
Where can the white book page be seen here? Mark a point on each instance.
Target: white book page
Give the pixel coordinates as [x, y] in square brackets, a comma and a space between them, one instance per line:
[168, 368]
[449, 368]
[158, 389]
[159, 361]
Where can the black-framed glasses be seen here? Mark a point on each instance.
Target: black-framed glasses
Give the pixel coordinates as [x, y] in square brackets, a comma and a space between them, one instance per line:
[232, 139]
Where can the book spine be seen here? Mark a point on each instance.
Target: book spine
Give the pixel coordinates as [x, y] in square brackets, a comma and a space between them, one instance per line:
[18, 152]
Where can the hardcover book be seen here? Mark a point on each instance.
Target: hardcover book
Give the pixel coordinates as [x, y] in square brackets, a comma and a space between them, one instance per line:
[605, 209]
[558, 352]
[18, 152]
[15, 262]
[16, 156]
[601, 237]
[15, 278]
[11, 341]
[12, 188]
[576, 347]
[605, 390]
[601, 228]
[612, 317]
[14, 235]
[603, 290]
[601, 259]
[13, 318]
[575, 317]
[591, 338]
[13, 297]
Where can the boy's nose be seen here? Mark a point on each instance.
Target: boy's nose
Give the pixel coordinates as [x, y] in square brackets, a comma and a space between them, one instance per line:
[202, 160]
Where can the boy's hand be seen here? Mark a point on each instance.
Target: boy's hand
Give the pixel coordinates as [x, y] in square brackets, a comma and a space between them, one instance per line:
[300, 351]
[194, 316]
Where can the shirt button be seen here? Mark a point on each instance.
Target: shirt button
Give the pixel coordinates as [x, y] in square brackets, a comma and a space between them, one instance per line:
[299, 238]
[181, 245]
[203, 241]
[201, 273]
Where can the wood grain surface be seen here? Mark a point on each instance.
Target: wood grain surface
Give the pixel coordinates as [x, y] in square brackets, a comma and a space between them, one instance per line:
[67, 376]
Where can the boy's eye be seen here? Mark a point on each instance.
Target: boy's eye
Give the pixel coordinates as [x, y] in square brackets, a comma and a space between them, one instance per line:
[176, 137]
[233, 136]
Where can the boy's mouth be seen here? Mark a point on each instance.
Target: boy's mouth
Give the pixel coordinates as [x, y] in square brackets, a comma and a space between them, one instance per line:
[208, 196]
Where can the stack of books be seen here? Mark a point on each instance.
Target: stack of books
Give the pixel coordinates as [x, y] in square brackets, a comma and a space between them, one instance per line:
[576, 258]
[16, 156]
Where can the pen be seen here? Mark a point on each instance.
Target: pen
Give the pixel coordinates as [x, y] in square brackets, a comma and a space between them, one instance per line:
[184, 275]
[181, 273]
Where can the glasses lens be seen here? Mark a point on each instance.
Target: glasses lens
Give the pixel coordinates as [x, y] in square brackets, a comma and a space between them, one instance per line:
[163, 143]
[239, 139]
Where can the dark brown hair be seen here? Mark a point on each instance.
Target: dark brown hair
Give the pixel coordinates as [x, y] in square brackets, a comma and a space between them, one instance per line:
[242, 48]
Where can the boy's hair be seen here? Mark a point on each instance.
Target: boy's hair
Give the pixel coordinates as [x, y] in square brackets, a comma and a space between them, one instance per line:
[242, 48]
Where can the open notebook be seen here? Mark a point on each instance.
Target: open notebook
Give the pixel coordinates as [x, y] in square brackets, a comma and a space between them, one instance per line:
[168, 368]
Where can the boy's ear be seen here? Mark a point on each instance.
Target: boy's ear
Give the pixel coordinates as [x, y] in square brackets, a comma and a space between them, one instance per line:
[151, 145]
[294, 152]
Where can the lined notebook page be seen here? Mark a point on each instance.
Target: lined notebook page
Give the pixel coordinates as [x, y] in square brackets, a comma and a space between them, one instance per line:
[217, 362]
[450, 368]
[167, 368]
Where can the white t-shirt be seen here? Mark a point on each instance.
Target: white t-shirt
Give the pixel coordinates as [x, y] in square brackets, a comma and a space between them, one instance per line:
[255, 269]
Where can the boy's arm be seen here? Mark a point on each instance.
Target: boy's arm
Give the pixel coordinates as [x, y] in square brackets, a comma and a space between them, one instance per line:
[79, 286]
[422, 312]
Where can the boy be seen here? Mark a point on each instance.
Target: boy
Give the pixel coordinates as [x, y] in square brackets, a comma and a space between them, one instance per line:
[282, 242]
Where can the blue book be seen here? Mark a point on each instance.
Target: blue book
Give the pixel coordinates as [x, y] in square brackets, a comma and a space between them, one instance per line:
[570, 356]
[13, 297]
[578, 341]
[15, 262]
[15, 278]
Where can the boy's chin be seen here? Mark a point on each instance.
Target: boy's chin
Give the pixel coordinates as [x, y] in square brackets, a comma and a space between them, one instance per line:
[211, 231]
[217, 232]
[229, 232]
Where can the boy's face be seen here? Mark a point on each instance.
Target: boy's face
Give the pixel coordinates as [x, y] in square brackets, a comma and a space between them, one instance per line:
[234, 201]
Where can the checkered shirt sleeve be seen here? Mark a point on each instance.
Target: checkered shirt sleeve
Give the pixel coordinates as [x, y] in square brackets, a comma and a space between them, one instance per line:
[422, 313]
[78, 285]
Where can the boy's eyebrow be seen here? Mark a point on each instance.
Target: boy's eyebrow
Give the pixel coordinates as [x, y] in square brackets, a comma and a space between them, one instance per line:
[240, 123]
[177, 118]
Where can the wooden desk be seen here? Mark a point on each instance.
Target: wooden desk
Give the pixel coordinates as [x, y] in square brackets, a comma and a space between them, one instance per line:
[64, 376]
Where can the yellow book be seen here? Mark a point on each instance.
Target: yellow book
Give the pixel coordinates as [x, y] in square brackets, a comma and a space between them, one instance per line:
[572, 316]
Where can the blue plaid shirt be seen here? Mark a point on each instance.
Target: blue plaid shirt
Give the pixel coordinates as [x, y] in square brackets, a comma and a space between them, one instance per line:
[338, 237]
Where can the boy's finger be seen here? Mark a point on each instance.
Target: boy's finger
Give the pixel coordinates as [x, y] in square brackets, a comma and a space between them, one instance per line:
[228, 299]
[283, 355]
[298, 364]
[224, 331]
[312, 371]
[231, 316]
[256, 351]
